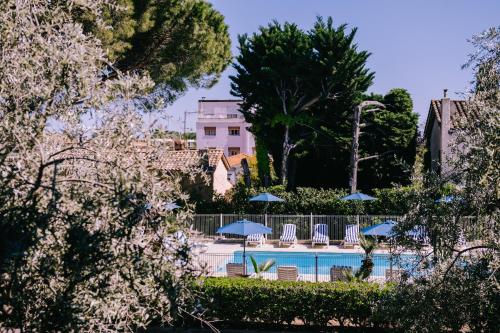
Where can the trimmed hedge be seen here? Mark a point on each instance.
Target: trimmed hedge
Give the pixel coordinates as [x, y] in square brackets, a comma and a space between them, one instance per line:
[240, 300]
[306, 200]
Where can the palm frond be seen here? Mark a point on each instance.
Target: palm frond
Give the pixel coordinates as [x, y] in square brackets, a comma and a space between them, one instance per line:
[254, 264]
[266, 266]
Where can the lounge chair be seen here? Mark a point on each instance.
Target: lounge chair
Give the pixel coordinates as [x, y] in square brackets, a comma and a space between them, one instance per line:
[338, 273]
[288, 273]
[289, 236]
[183, 240]
[419, 234]
[255, 239]
[392, 274]
[351, 235]
[320, 235]
[234, 270]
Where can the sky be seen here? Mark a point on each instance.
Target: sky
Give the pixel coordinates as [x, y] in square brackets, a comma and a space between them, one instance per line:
[416, 45]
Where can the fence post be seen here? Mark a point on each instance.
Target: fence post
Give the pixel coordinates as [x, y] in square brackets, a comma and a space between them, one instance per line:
[265, 223]
[311, 226]
[220, 223]
[316, 267]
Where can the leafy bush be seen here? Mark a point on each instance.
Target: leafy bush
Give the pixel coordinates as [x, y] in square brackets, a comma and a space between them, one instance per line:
[306, 200]
[276, 302]
[469, 299]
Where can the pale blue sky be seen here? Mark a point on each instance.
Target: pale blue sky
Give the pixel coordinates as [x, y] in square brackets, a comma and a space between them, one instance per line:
[416, 45]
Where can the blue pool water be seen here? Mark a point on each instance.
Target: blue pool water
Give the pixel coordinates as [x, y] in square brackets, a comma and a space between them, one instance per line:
[306, 262]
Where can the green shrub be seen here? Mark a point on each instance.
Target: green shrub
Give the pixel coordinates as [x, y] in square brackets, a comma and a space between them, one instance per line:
[276, 302]
[306, 200]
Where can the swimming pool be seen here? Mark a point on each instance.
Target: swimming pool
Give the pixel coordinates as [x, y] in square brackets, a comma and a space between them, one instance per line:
[307, 263]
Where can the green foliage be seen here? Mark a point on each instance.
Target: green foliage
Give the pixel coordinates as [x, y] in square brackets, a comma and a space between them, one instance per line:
[263, 164]
[309, 82]
[85, 239]
[290, 79]
[467, 298]
[461, 290]
[263, 267]
[179, 42]
[393, 132]
[368, 244]
[306, 200]
[255, 300]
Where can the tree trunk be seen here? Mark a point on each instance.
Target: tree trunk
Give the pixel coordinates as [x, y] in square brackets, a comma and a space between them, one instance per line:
[292, 171]
[353, 174]
[286, 154]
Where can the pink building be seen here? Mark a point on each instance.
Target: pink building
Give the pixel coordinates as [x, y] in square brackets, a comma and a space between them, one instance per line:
[220, 125]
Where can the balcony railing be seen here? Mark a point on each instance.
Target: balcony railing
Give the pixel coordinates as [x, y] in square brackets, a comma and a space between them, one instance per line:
[220, 116]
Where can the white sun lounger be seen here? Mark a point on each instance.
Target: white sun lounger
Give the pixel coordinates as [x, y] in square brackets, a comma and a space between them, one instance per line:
[351, 235]
[320, 235]
[420, 235]
[180, 238]
[255, 239]
[289, 236]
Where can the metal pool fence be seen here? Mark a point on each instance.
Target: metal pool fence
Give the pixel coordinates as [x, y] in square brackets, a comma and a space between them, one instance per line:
[310, 266]
[207, 224]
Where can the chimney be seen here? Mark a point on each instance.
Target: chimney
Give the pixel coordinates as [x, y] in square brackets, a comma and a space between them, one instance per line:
[445, 128]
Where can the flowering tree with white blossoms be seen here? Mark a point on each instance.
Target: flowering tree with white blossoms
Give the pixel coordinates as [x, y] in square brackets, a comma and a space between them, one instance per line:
[85, 238]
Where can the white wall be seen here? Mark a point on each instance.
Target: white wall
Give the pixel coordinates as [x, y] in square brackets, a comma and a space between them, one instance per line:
[220, 183]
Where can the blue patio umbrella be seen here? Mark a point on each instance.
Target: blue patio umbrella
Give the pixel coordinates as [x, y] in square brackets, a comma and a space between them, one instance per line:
[358, 196]
[383, 229]
[244, 228]
[266, 197]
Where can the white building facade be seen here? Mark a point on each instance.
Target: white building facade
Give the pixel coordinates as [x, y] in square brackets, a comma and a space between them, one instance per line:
[220, 125]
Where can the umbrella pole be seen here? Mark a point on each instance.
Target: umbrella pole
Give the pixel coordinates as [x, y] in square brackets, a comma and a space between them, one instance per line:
[244, 256]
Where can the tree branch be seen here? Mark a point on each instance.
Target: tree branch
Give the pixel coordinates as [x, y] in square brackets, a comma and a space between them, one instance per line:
[375, 156]
[459, 254]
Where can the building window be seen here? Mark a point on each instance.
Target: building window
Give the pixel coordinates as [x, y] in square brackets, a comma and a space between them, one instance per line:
[232, 116]
[234, 131]
[210, 131]
[233, 151]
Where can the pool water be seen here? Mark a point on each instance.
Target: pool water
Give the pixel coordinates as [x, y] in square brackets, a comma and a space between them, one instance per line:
[306, 261]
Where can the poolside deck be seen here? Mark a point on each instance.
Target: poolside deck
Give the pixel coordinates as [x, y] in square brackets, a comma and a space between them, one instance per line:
[230, 247]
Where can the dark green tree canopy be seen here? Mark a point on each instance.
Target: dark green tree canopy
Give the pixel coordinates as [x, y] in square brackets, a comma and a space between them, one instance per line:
[306, 83]
[391, 134]
[181, 43]
[284, 75]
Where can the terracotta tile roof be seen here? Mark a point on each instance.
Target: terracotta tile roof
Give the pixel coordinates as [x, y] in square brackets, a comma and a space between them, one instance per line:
[178, 160]
[235, 160]
[458, 110]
